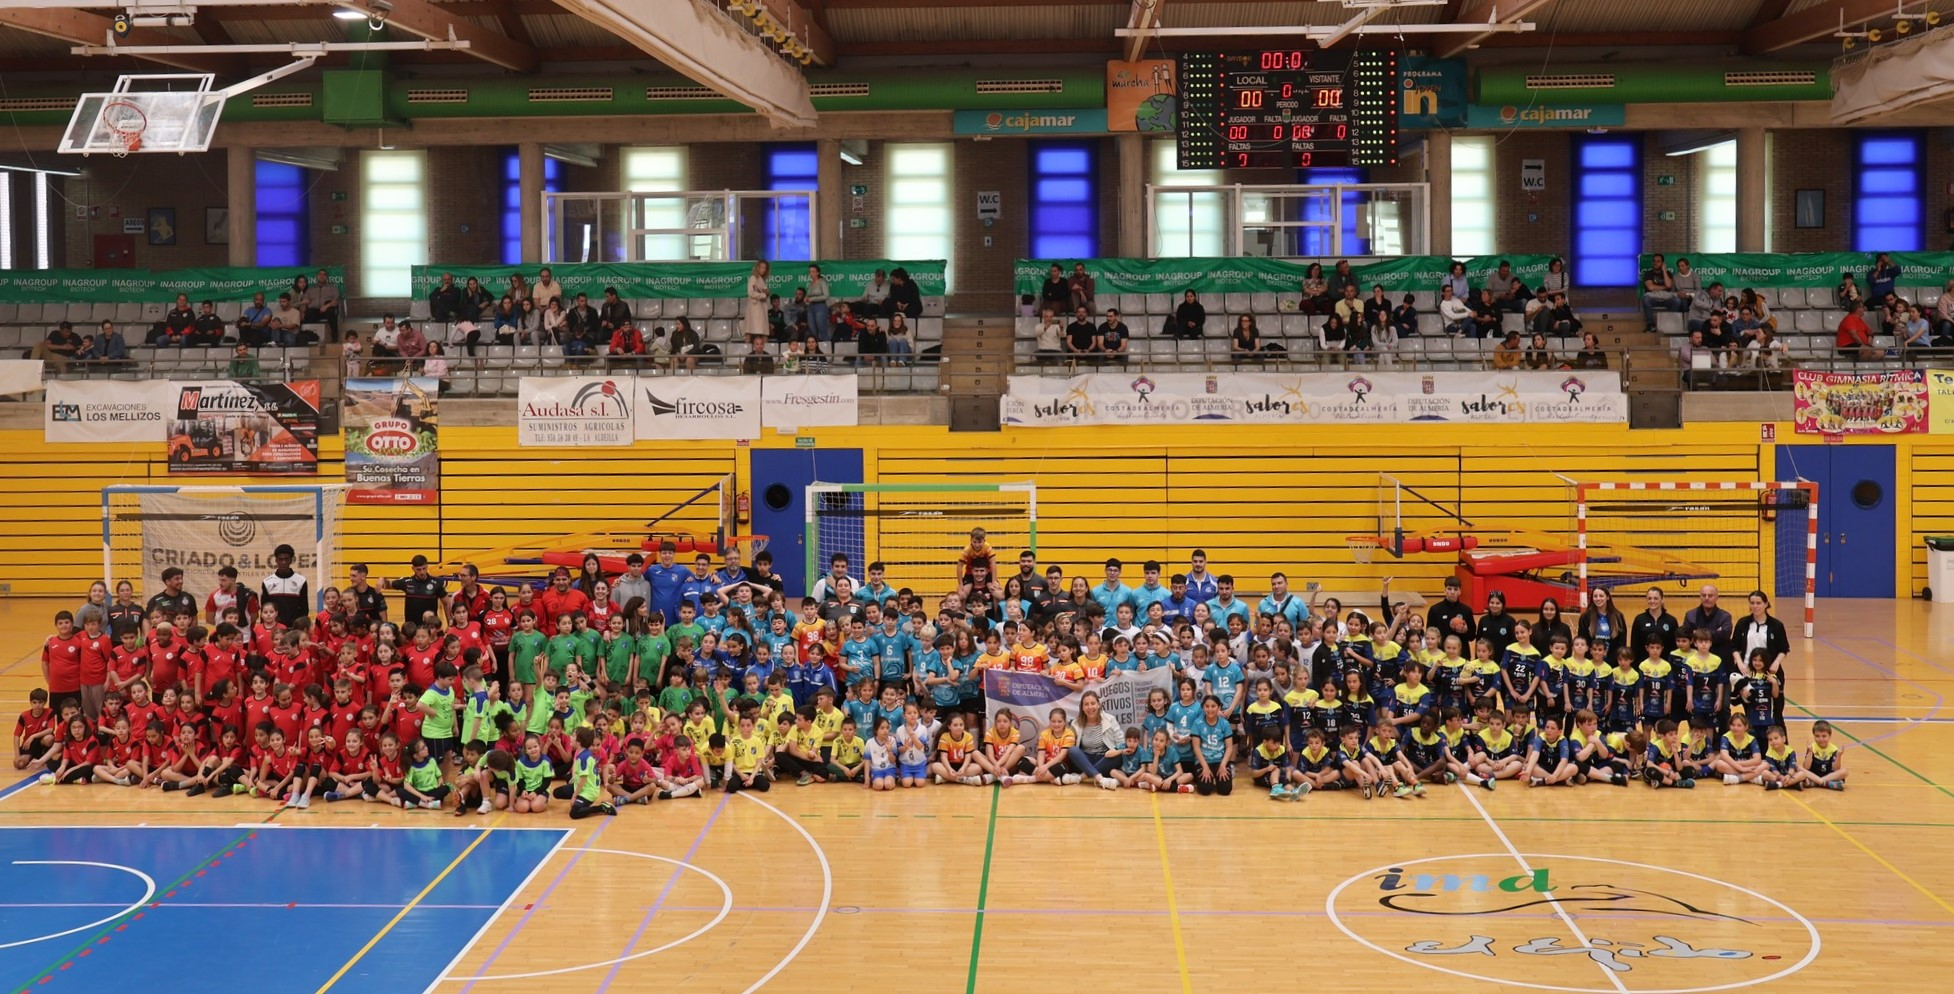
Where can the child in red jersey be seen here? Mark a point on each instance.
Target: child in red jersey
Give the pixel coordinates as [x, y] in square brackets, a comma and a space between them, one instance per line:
[384, 663]
[80, 753]
[61, 660]
[420, 657]
[229, 761]
[278, 770]
[348, 670]
[343, 714]
[315, 713]
[128, 661]
[632, 780]
[315, 766]
[265, 631]
[141, 710]
[352, 773]
[196, 660]
[286, 714]
[221, 661]
[226, 710]
[259, 702]
[186, 714]
[684, 776]
[121, 761]
[95, 645]
[166, 647]
[289, 662]
[388, 770]
[403, 714]
[34, 730]
[184, 764]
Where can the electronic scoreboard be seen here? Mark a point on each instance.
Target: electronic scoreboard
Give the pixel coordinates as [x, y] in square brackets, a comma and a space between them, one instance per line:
[1289, 109]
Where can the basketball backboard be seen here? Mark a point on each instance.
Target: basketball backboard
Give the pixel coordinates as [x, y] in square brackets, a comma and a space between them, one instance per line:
[171, 112]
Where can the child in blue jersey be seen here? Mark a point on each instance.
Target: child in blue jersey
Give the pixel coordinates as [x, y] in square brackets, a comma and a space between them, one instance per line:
[1758, 693]
[1657, 688]
[1183, 713]
[1318, 764]
[1269, 764]
[892, 652]
[1740, 757]
[860, 705]
[1386, 761]
[1498, 754]
[1781, 767]
[1624, 690]
[1223, 679]
[1214, 750]
[1700, 748]
[859, 655]
[1522, 668]
[1154, 718]
[1824, 761]
[1425, 751]
[1550, 757]
[890, 706]
[1350, 761]
[1135, 769]
[935, 675]
[1664, 767]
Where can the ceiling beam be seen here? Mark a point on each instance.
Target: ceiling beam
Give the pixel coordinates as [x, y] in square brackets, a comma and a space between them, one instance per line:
[805, 27]
[698, 42]
[1485, 12]
[1768, 11]
[1813, 23]
[425, 20]
[83, 28]
[511, 21]
[1145, 14]
[1617, 39]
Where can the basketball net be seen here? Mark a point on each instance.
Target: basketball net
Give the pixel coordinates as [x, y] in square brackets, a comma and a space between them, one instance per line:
[126, 122]
[1363, 548]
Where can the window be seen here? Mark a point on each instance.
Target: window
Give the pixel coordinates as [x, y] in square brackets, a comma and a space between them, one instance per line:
[919, 203]
[393, 221]
[1322, 241]
[1886, 208]
[1607, 211]
[43, 228]
[1185, 224]
[6, 220]
[658, 170]
[786, 231]
[512, 201]
[1718, 220]
[1472, 197]
[1064, 200]
[283, 234]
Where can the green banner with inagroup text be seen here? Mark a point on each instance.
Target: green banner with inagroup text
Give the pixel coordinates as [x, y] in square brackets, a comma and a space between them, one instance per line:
[683, 280]
[1411, 273]
[143, 286]
[1775, 270]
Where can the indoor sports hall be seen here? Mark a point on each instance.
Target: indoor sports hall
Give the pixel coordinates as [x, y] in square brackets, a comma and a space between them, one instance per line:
[509, 496]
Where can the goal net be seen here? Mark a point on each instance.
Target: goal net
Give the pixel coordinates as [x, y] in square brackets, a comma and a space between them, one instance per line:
[1738, 535]
[148, 529]
[916, 530]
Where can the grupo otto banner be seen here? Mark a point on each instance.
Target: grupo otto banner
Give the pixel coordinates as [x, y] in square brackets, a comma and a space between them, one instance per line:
[1030, 697]
[1736, 270]
[80, 411]
[1411, 273]
[1940, 401]
[574, 410]
[393, 452]
[681, 280]
[811, 401]
[1516, 397]
[1889, 403]
[696, 407]
[224, 426]
[142, 286]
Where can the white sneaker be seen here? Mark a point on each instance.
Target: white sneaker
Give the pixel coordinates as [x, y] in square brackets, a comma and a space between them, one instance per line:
[1069, 779]
[937, 779]
[1023, 778]
[1147, 786]
[484, 807]
[431, 804]
[1109, 783]
[986, 779]
[305, 800]
[1732, 779]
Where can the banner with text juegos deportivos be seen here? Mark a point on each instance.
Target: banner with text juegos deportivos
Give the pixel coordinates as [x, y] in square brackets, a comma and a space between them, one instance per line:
[1030, 697]
[1894, 402]
[224, 426]
[1520, 397]
[393, 450]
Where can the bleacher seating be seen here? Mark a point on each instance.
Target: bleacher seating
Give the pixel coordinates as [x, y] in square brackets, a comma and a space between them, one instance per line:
[1808, 318]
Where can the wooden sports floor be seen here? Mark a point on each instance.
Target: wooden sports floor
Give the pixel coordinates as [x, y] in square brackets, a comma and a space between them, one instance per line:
[1041, 888]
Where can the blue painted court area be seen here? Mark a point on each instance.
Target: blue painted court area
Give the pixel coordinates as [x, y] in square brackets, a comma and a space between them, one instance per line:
[251, 909]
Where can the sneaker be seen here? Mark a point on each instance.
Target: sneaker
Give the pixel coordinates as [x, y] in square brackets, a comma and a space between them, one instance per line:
[1146, 786]
[484, 807]
[1296, 792]
[1186, 788]
[1774, 785]
[1109, 783]
[1536, 781]
[193, 790]
[645, 799]
[291, 800]
[1023, 778]
[935, 779]
[1451, 779]
[1068, 780]
[806, 779]
[1835, 785]
[609, 809]
[1487, 783]
[46, 779]
[119, 781]
[1732, 779]
[170, 785]
[986, 780]
[1404, 791]
[431, 804]
[1367, 792]
[1686, 783]
[1619, 781]
[331, 795]
[396, 801]
[305, 800]
[664, 795]
[1276, 792]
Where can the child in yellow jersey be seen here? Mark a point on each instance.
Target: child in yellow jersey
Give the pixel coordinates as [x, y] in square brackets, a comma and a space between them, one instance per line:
[1054, 741]
[1497, 752]
[1317, 765]
[714, 758]
[1350, 757]
[1029, 655]
[778, 701]
[827, 720]
[1386, 761]
[845, 756]
[1740, 758]
[799, 754]
[956, 756]
[751, 752]
[1664, 766]
[1824, 761]
[1268, 765]
[1488, 679]
[699, 726]
[1780, 762]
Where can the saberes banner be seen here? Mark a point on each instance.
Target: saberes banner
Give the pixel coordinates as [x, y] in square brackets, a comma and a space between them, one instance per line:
[1516, 397]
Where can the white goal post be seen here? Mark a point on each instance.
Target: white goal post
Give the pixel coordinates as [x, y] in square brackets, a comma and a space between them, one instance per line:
[202, 529]
[915, 529]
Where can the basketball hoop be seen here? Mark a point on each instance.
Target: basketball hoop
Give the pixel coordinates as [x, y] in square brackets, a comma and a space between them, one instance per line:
[126, 122]
[1363, 548]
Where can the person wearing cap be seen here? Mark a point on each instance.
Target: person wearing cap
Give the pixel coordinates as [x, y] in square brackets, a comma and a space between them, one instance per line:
[285, 589]
[1451, 616]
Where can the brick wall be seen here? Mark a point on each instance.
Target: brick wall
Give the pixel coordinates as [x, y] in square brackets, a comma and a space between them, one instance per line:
[112, 190]
[1811, 160]
[1679, 232]
[1526, 223]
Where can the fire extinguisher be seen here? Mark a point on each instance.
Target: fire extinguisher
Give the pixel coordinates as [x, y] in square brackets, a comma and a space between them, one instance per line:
[743, 507]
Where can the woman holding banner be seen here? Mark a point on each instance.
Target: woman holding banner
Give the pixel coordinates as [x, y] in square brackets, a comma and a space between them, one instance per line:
[1100, 742]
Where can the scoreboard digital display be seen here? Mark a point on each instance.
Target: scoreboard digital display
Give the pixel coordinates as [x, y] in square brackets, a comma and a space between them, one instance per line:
[1288, 109]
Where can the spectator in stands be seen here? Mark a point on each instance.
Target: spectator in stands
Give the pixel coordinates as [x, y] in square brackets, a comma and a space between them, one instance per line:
[1749, 298]
[1455, 278]
[1316, 292]
[613, 314]
[1349, 308]
[1404, 318]
[581, 324]
[1190, 318]
[506, 321]
[875, 296]
[777, 326]
[444, 301]
[286, 323]
[1332, 335]
[687, 346]
[1377, 309]
[529, 324]
[1746, 325]
[518, 288]
[658, 347]
[1057, 291]
[1245, 343]
[1855, 338]
[1765, 350]
[1943, 320]
[410, 344]
[1360, 338]
[546, 291]
[1341, 277]
[1511, 291]
[1082, 336]
[1910, 328]
[110, 345]
[475, 301]
[1719, 338]
[1591, 355]
[1050, 336]
[1659, 291]
[1702, 304]
[555, 324]
[386, 339]
[434, 365]
[1848, 290]
[1556, 281]
[1083, 288]
[848, 325]
[1485, 315]
[1884, 278]
[905, 297]
[1560, 320]
[243, 366]
[902, 346]
[1538, 355]
[753, 313]
[794, 312]
[627, 341]
[818, 297]
[1509, 354]
[254, 323]
[320, 301]
[1453, 313]
[1696, 358]
[1114, 336]
[874, 345]
[177, 324]
[1890, 314]
[209, 328]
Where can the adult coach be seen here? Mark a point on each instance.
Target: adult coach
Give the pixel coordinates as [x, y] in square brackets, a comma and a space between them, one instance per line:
[1451, 616]
[172, 600]
[285, 589]
[421, 593]
[1707, 615]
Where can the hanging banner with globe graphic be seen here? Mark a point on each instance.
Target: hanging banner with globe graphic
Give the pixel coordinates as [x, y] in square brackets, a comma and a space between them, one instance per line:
[1141, 96]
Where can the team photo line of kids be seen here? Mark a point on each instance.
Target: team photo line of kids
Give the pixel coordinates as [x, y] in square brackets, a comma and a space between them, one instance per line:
[666, 681]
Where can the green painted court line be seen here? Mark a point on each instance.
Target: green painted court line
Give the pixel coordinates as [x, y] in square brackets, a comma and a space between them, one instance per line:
[1869, 747]
[983, 892]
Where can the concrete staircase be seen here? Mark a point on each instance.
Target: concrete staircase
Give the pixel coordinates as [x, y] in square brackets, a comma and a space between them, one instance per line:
[1654, 376]
[976, 361]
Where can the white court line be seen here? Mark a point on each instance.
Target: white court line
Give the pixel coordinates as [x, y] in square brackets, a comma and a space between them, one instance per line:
[289, 828]
[149, 890]
[827, 894]
[1552, 901]
[511, 899]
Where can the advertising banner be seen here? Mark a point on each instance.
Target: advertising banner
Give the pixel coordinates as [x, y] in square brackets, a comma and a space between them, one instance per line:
[108, 411]
[1816, 270]
[1541, 116]
[1516, 397]
[697, 407]
[1940, 401]
[188, 533]
[1141, 96]
[1024, 121]
[393, 453]
[20, 376]
[1030, 697]
[1434, 93]
[1888, 403]
[142, 286]
[1401, 274]
[683, 280]
[223, 426]
[810, 401]
[574, 410]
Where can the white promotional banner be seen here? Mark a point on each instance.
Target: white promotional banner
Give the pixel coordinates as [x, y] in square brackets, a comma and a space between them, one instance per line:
[1030, 697]
[1478, 397]
[19, 376]
[696, 407]
[574, 410]
[109, 411]
[187, 532]
[824, 401]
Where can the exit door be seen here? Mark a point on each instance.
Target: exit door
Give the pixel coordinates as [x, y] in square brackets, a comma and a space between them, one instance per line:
[1856, 514]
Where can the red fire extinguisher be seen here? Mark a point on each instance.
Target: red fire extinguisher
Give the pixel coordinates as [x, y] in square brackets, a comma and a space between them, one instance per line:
[743, 507]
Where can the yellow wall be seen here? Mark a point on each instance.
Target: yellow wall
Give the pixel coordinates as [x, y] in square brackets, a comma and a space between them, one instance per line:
[1256, 499]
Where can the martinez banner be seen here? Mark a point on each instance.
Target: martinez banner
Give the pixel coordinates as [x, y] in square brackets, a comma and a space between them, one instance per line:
[185, 532]
[812, 401]
[223, 426]
[1737, 270]
[1514, 397]
[1401, 274]
[80, 411]
[1030, 697]
[1889, 403]
[697, 407]
[682, 280]
[141, 286]
[574, 410]
[393, 453]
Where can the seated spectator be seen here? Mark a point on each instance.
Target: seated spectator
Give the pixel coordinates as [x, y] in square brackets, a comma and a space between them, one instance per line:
[1659, 291]
[1890, 314]
[1558, 319]
[1455, 277]
[1591, 355]
[1082, 288]
[177, 324]
[687, 346]
[1316, 292]
[518, 289]
[1404, 319]
[1360, 338]
[1377, 309]
[1848, 290]
[902, 347]
[1556, 281]
[1910, 328]
[1245, 342]
[1341, 276]
[411, 344]
[1349, 307]
[320, 302]
[1716, 336]
[1537, 303]
[86, 353]
[795, 311]
[1082, 336]
[1702, 304]
[658, 348]
[434, 365]
[243, 365]
[874, 299]
[475, 302]
[1746, 326]
[1749, 298]
[444, 301]
[777, 318]
[1514, 301]
[529, 325]
[1114, 336]
[584, 326]
[1697, 360]
[1057, 291]
[1050, 342]
[546, 291]
[1943, 320]
[1508, 354]
[905, 298]
[613, 313]
[1332, 336]
[1855, 338]
[848, 325]
[1453, 313]
[1765, 350]
[1538, 355]
[254, 323]
[627, 340]
[507, 320]
[286, 323]
[756, 360]
[555, 324]
[109, 344]
[874, 343]
[209, 329]
[386, 339]
[1190, 318]
[1485, 315]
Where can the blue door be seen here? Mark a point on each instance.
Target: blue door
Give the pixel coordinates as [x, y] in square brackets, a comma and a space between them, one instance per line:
[1856, 514]
[779, 487]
